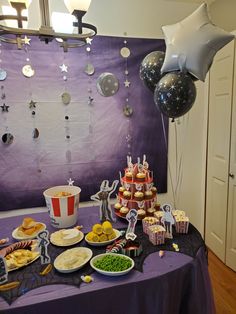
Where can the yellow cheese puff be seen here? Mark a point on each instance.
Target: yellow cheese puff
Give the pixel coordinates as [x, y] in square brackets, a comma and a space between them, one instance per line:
[93, 237]
[112, 235]
[97, 228]
[107, 227]
[103, 238]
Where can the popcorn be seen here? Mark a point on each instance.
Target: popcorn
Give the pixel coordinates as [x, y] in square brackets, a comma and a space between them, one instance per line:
[159, 215]
[147, 222]
[177, 212]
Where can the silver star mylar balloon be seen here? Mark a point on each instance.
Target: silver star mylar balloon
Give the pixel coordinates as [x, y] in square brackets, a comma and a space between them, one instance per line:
[192, 44]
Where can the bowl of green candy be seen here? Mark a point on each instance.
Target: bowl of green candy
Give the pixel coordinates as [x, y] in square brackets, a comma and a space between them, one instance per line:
[112, 264]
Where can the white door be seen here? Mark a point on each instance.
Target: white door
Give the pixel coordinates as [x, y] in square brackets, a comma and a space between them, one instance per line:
[231, 222]
[220, 103]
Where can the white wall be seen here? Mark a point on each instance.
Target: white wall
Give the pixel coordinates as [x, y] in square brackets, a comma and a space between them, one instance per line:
[144, 19]
[223, 14]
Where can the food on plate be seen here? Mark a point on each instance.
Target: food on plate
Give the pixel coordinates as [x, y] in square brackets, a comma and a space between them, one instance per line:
[97, 228]
[103, 237]
[112, 235]
[29, 227]
[92, 237]
[19, 258]
[71, 259]
[62, 194]
[66, 237]
[101, 233]
[112, 263]
[107, 227]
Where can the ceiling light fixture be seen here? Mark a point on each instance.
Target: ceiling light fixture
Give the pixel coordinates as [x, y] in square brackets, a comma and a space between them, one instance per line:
[46, 33]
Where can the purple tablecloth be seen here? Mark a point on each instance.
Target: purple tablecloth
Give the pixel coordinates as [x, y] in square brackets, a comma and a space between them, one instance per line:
[174, 284]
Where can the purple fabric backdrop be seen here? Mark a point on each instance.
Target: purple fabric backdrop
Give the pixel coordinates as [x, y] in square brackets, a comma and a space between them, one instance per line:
[98, 147]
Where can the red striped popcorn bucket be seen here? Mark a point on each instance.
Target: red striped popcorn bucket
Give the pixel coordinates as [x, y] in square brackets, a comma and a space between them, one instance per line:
[181, 225]
[147, 222]
[62, 209]
[157, 234]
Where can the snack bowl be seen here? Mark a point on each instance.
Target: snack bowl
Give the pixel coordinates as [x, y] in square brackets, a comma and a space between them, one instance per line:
[104, 243]
[73, 259]
[114, 259]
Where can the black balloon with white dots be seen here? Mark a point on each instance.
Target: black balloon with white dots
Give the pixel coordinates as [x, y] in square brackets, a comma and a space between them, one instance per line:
[175, 94]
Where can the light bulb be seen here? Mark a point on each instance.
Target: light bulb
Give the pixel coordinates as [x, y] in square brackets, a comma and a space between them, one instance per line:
[81, 5]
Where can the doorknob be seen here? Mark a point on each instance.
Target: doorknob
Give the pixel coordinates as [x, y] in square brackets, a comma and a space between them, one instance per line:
[231, 175]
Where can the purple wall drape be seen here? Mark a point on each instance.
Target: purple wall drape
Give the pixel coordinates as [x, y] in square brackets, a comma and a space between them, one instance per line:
[98, 146]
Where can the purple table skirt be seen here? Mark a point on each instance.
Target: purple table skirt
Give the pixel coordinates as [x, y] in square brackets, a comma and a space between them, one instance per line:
[174, 284]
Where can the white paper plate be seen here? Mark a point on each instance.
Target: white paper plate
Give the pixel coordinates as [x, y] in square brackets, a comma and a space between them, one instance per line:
[111, 273]
[68, 253]
[16, 268]
[117, 232]
[30, 237]
[53, 241]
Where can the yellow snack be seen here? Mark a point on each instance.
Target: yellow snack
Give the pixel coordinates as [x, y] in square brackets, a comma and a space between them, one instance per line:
[62, 194]
[97, 228]
[112, 235]
[103, 238]
[10, 285]
[87, 278]
[93, 237]
[107, 227]
[46, 270]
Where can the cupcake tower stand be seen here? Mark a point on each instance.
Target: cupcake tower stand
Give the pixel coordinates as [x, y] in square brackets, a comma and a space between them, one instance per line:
[137, 190]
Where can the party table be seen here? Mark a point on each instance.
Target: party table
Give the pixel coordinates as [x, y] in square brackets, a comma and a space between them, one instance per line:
[174, 284]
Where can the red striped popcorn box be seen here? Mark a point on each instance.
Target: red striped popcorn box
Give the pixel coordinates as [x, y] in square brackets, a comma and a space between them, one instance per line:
[147, 222]
[62, 209]
[157, 234]
[181, 224]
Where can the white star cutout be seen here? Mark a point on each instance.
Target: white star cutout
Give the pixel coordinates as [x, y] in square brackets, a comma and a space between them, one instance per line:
[64, 68]
[70, 182]
[89, 40]
[127, 83]
[27, 41]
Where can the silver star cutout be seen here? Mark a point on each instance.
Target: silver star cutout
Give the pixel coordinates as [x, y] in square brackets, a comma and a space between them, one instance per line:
[32, 104]
[27, 41]
[4, 108]
[70, 182]
[64, 68]
[127, 83]
[89, 40]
